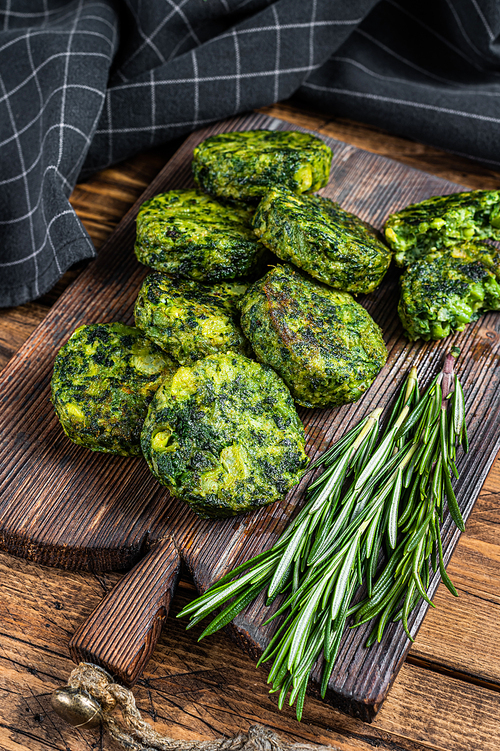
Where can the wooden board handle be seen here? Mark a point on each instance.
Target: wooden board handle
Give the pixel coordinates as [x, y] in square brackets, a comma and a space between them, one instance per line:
[121, 633]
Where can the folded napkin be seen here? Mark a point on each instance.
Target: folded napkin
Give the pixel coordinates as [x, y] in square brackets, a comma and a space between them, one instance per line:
[85, 83]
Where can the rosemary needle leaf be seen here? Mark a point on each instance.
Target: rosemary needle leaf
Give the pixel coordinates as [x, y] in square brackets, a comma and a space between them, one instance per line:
[392, 525]
[465, 439]
[413, 418]
[458, 407]
[300, 701]
[371, 639]
[408, 606]
[443, 436]
[386, 614]
[446, 579]
[418, 583]
[427, 454]
[338, 447]
[284, 690]
[230, 612]
[377, 460]
[343, 577]
[284, 566]
[452, 501]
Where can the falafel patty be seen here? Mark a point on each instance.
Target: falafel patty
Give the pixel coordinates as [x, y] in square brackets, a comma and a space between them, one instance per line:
[104, 378]
[224, 436]
[189, 234]
[244, 165]
[324, 345]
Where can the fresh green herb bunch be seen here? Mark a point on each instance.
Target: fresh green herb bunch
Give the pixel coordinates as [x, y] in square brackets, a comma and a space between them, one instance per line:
[379, 490]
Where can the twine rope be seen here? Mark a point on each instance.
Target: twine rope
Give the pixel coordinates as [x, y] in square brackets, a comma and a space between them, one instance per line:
[134, 734]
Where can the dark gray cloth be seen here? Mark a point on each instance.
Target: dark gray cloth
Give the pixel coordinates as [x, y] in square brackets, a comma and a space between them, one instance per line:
[85, 83]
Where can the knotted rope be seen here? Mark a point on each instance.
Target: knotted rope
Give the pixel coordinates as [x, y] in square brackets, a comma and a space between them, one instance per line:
[132, 733]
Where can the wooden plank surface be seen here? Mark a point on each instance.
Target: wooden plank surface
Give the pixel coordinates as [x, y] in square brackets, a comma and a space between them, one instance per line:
[38, 625]
[201, 691]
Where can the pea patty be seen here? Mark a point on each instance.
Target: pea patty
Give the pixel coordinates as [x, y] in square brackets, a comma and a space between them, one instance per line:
[448, 289]
[104, 378]
[189, 320]
[189, 234]
[244, 165]
[441, 222]
[224, 436]
[317, 235]
[324, 345]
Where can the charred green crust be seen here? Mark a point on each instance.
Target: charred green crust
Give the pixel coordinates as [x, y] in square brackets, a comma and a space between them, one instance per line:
[448, 289]
[324, 345]
[318, 236]
[104, 378]
[224, 436]
[189, 234]
[189, 320]
[441, 222]
[245, 165]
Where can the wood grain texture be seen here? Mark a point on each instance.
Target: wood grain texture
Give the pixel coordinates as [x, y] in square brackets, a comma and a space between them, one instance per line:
[193, 690]
[121, 633]
[101, 525]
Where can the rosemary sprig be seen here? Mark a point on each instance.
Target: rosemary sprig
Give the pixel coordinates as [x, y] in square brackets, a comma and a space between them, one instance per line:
[434, 438]
[378, 491]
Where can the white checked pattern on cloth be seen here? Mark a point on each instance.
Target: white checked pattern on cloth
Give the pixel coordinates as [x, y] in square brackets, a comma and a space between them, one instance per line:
[181, 64]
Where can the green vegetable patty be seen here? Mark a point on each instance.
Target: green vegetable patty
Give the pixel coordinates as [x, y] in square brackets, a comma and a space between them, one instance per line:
[104, 378]
[189, 234]
[448, 289]
[188, 320]
[245, 165]
[318, 236]
[224, 436]
[324, 345]
[441, 222]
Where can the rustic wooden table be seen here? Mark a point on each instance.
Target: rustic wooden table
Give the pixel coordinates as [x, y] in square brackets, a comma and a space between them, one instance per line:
[447, 694]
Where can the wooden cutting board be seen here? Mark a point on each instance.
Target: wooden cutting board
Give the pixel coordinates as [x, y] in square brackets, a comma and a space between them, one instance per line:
[63, 506]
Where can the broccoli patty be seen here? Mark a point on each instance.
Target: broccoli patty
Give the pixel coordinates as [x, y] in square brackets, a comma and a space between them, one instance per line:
[224, 436]
[441, 222]
[448, 289]
[104, 378]
[318, 236]
[186, 319]
[245, 165]
[189, 234]
[324, 345]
